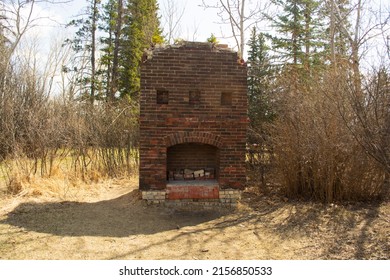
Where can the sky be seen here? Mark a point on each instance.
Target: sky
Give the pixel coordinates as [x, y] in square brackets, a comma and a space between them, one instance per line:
[197, 23]
[49, 32]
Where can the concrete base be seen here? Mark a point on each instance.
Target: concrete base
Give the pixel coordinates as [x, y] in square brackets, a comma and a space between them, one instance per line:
[204, 194]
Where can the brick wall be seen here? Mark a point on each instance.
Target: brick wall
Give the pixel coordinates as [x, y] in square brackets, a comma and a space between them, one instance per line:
[192, 93]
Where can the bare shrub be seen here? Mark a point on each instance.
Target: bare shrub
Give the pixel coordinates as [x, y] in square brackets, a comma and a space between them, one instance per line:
[29, 123]
[316, 155]
[367, 115]
[104, 139]
[41, 133]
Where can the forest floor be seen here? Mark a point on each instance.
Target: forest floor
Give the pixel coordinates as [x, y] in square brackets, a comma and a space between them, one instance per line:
[108, 220]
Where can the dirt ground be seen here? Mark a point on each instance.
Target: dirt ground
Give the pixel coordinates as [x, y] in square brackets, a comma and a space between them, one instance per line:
[107, 220]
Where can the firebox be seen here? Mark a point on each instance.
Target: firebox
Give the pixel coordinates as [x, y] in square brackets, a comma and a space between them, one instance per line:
[193, 119]
[192, 161]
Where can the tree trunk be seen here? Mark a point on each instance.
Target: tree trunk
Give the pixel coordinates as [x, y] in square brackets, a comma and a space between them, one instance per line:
[307, 37]
[242, 30]
[332, 34]
[93, 50]
[115, 62]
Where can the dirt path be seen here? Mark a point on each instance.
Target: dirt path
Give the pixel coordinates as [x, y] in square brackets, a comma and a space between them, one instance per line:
[109, 221]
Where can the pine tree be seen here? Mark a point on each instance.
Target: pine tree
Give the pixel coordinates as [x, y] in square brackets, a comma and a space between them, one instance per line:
[85, 45]
[260, 73]
[112, 26]
[298, 41]
[141, 31]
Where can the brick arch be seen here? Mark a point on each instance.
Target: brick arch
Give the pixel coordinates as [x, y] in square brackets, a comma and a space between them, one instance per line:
[193, 137]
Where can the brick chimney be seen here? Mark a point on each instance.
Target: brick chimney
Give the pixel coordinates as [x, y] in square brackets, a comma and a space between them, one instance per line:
[193, 124]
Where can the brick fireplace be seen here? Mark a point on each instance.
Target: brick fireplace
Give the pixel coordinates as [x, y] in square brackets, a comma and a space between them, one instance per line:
[192, 124]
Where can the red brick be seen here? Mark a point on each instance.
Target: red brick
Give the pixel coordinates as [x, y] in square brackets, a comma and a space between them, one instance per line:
[209, 71]
[192, 192]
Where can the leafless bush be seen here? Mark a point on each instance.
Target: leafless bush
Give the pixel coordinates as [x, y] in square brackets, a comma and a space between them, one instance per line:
[106, 139]
[367, 115]
[316, 154]
[40, 132]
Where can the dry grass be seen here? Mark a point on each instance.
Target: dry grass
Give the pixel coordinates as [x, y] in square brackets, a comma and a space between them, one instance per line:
[19, 176]
[107, 220]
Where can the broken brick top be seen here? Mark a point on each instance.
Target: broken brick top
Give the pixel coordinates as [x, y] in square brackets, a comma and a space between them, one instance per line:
[222, 48]
[193, 93]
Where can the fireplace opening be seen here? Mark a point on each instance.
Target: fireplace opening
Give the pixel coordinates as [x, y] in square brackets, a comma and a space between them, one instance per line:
[192, 162]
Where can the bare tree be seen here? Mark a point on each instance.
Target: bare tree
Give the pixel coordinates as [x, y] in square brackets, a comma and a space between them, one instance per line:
[240, 15]
[172, 14]
[367, 24]
[17, 18]
[95, 14]
[365, 103]
[115, 61]
[195, 29]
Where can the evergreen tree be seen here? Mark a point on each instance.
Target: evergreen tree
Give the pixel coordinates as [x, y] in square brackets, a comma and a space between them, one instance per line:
[141, 31]
[260, 74]
[112, 26]
[299, 39]
[84, 44]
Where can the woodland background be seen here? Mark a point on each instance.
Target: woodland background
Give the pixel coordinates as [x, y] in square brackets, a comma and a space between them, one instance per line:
[318, 91]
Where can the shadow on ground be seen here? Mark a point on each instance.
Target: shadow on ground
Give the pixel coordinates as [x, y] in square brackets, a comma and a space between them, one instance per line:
[343, 231]
[120, 217]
